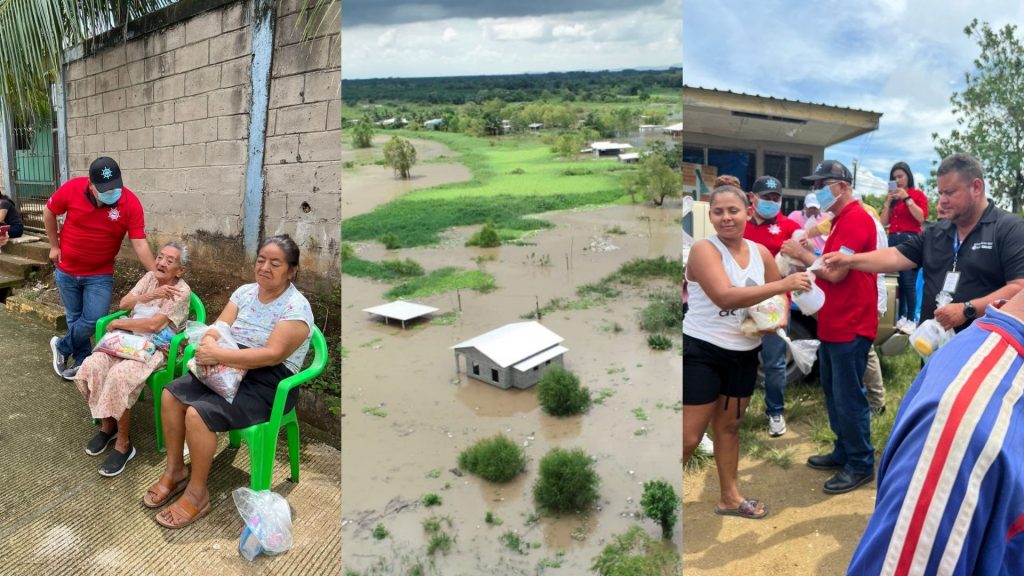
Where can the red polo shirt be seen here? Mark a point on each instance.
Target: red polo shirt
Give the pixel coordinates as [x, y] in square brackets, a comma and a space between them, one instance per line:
[92, 235]
[851, 306]
[770, 234]
[900, 219]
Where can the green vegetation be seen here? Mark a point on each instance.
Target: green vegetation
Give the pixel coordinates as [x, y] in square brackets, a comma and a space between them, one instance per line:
[513, 542]
[567, 481]
[375, 411]
[663, 314]
[440, 542]
[496, 459]
[487, 237]
[661, 503]
[560, 394]
[380, 532]
[491, 520]
[362, 134]
[400, 155]
[634, 553]
[640, 414]
[391, 241]
[385, 270]
[443, 280]
[659, 342]
[431, 499]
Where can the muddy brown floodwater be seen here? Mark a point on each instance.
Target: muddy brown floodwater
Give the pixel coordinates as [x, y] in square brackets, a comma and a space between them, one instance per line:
[432, 413]
[805, 532]
[366, 186]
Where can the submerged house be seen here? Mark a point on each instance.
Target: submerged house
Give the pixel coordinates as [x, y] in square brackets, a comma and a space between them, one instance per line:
[515, 355]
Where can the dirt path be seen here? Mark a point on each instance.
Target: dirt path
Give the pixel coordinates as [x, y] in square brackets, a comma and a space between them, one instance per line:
[805, 532]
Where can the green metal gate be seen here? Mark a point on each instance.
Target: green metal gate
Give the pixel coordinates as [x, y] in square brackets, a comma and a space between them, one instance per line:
[36, 167]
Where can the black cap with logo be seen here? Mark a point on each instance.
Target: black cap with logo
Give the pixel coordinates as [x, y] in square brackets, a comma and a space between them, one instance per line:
[105, 174]
[828, 170]
[767, 185]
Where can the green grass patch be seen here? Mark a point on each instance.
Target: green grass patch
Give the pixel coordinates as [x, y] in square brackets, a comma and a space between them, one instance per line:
[663, 314]
[659, 342]
[431, 499]
[385, 270]
[446, 319]
[443, 280]
[375, 411]
[513, 542]
[603, 394]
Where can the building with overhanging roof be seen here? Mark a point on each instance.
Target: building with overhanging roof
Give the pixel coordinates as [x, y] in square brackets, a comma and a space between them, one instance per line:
[514, 355]
[748, 135]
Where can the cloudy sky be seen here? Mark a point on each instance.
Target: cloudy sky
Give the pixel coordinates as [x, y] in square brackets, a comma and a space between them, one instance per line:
[903, 58]
[406, 38]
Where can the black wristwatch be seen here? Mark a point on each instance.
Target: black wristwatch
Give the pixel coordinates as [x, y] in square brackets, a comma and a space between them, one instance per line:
[969, 312]
[908, 199]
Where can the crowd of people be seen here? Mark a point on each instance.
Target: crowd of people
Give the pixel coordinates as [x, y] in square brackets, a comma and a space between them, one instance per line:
[270, 320]
[950, 496]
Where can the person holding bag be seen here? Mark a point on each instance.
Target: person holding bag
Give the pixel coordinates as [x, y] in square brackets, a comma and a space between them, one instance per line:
[111, 384]
[271, 321]
[726, 274]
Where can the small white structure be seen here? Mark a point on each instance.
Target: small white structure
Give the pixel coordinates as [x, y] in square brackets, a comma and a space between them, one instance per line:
[631, 158]
[609, 148]
[536, 126]
[434, 123]
[400, 310]
[515, 355]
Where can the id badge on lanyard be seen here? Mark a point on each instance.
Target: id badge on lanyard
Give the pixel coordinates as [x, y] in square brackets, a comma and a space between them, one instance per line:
[953, 276]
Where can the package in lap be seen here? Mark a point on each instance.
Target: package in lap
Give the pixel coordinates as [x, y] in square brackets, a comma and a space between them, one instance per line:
[222, 379]
[126, 345]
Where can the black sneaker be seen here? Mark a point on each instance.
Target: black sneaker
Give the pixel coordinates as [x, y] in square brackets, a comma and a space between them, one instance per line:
[100, 442]
[115, 462]
[844, 481]
[823, 462]
[59, 360]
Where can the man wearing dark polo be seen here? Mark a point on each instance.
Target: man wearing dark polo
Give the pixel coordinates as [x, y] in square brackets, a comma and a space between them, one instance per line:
[972, 257]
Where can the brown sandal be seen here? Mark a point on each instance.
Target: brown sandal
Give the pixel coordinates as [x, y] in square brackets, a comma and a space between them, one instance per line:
[162, 491]
[180, 514]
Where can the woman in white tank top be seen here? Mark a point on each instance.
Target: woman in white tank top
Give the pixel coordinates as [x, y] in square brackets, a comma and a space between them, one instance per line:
[725, 275]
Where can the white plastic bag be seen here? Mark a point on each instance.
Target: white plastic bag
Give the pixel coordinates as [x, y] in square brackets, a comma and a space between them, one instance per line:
[122, 344]
[804, 352]
[928, 337]
[767, 315]
[222, 379]
[268, 522]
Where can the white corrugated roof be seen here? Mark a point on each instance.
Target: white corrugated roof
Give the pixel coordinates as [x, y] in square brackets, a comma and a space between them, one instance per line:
[512, 343]
[401, 310]
[537, 359]
[604, 145]
[674, 128]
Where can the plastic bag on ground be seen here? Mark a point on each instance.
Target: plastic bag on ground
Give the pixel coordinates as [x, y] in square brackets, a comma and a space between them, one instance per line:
[222, 379]
[268, 522]
[804, 352]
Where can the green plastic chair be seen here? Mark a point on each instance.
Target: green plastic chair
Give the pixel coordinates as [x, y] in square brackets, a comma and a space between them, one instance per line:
[262, 438]
[157, 380]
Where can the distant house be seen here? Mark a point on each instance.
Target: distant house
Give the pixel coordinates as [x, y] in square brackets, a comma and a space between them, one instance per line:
[515, 355]
[506, 126]
[434, 124]
[631, 158]
[609, 148]
[650, 127]
[536, 126]
[675, 130]
[393, 122]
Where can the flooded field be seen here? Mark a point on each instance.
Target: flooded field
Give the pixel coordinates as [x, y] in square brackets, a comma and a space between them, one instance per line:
[408, 414]
[367, 185]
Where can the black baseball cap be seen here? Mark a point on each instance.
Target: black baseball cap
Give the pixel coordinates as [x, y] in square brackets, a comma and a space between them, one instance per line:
[105, 174]
[828, 170]
[767, 185]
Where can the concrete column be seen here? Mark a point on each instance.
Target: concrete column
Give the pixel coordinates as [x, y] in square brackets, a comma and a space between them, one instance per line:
[61, 112]
[7, 150]
[263, 17]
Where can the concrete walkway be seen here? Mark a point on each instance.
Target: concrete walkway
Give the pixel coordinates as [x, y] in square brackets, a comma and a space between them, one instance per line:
[59, 516]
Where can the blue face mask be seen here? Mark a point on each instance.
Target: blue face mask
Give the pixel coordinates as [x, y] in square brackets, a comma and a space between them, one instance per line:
[825, 197]
[110, 196]
[767, 209]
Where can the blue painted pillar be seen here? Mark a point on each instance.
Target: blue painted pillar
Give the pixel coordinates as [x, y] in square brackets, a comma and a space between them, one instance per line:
[263, 17]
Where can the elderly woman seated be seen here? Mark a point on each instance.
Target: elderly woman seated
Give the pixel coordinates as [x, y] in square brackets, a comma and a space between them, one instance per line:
[159, 303]
[271, 321]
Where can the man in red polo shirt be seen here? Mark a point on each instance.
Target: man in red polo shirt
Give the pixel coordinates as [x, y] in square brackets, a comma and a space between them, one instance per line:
[770, 228]
[847, 325]
[99, 211]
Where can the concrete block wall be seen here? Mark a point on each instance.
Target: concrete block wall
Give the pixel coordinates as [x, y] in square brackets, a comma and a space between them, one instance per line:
[172, 109]
[302, 162]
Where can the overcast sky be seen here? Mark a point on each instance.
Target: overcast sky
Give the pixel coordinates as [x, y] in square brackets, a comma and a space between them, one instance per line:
[407, 38]
[902, 58]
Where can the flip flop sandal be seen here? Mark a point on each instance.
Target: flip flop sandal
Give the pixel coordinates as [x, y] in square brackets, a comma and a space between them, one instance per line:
[161, 492]
[180, 514]
[746, 509]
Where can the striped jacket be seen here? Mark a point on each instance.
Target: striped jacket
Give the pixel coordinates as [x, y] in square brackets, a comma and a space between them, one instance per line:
[951, 481]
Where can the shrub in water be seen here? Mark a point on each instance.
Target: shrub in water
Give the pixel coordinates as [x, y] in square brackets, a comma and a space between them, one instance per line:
[407, 267]
[567, 481]
[496, 459]
[560, 394]
[659, 342]
[487, 237]
[391, 241]
[661, 503]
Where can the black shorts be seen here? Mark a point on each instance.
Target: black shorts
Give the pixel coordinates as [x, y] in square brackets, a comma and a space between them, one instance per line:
[710, 371]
